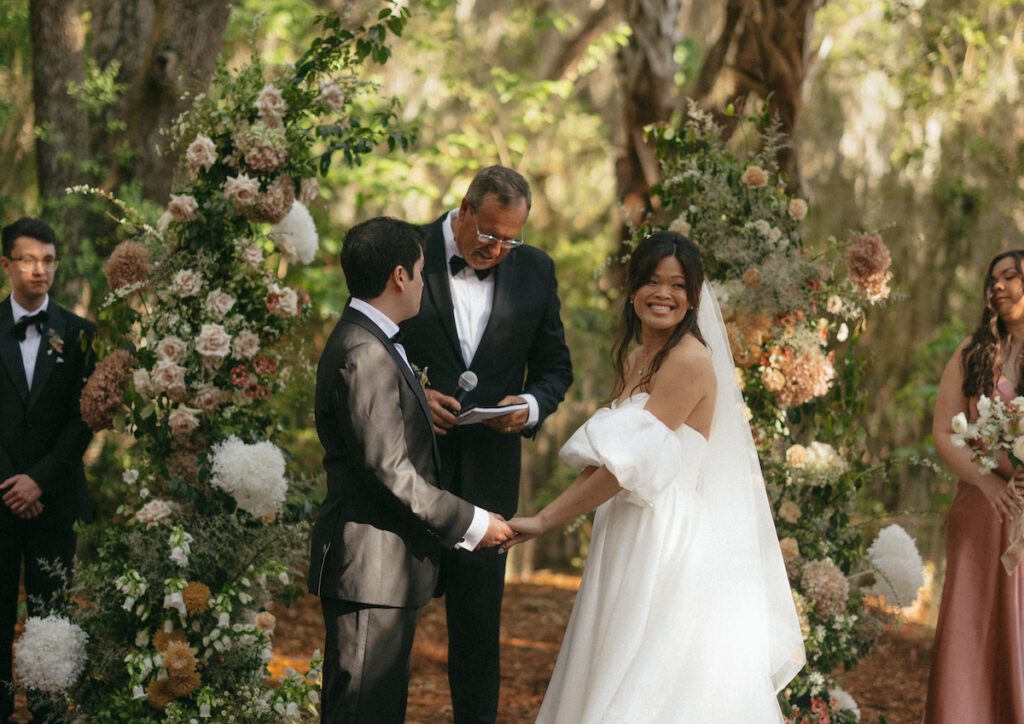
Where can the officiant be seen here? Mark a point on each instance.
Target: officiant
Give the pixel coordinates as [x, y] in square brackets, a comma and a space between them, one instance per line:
[490, 305]
[45, 355]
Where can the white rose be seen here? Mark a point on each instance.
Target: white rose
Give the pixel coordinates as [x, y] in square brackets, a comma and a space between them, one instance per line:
[213, 342]
[201, 154]
[142, 383]
[252, 255]
[153, 511]
[208, 398]
[219, 303]
[169, 377]
[270, 102]
[290, 302]
[984, 406]
[171, 348]
[960, 423]
[182, 207]
[186, 283]
[183, 421]
[246, 345]
[241, 190]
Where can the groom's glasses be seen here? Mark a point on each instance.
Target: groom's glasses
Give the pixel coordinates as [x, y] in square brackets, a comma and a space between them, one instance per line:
[28, 263]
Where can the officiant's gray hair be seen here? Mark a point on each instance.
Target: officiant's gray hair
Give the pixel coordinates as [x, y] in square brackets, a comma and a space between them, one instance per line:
[508, 185]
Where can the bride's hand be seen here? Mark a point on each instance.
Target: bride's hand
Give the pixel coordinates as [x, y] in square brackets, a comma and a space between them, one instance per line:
[525, 529]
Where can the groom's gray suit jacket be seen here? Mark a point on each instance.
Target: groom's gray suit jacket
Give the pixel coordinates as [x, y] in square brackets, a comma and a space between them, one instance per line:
[379, 534]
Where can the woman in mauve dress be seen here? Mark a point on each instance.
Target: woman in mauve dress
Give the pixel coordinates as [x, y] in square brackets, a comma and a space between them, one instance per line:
[977, 674]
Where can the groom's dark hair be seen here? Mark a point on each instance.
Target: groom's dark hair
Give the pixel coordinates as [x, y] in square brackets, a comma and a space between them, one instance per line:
[26, 226]
[371, 251]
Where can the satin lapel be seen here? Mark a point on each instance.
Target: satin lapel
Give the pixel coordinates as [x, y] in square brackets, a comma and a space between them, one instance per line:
[10, 351]
[47, 358]
[501, 321]
[435, 271]
[357, 317]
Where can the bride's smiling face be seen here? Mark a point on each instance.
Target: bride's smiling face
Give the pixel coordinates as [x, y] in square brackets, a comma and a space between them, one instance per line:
[661, 302]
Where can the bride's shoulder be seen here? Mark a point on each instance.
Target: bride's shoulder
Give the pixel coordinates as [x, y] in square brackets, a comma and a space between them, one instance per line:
[689, 360]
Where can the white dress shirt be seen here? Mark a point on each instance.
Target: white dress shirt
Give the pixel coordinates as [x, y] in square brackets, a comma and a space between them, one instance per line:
[481, 519]
[33, 340]
[472, 301]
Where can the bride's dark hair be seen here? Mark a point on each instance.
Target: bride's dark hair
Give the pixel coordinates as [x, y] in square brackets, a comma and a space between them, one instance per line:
[642, 263]
[983, 354]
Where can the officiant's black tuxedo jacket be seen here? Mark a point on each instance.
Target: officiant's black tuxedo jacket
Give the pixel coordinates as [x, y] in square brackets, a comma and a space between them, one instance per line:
[380, 531]
[522, 350]
[41, 431]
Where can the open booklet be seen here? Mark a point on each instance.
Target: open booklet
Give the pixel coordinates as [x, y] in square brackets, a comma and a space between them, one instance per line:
[473, 414]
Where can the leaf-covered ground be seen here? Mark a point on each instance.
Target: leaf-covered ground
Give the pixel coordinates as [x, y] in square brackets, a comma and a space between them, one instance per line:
[890, 683]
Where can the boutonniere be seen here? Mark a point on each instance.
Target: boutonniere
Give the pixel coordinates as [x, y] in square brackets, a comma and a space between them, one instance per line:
[56, 342]
[421, 375]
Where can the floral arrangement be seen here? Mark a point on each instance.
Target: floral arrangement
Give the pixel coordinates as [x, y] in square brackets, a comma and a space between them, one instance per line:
[998, 430]
[168, 621]
[793, 316]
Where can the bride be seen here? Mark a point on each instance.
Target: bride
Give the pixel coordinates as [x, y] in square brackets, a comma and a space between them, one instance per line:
[684, 613]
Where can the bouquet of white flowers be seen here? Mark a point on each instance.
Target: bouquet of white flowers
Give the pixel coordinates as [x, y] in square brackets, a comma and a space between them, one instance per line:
[998, 429]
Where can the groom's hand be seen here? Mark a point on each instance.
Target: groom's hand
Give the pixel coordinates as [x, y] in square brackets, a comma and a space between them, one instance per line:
[20, 493]
[497, 532]
[442, 409]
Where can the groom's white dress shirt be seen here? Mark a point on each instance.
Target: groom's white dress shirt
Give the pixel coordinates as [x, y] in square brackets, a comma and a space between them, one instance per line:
[33, 340]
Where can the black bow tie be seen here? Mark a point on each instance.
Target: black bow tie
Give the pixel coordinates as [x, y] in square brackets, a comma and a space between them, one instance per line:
[39, 319]
[457, 264]
[397, 337]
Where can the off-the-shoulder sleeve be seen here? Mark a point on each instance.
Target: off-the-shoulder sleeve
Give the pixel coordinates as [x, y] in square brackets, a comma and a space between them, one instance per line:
[640, 451]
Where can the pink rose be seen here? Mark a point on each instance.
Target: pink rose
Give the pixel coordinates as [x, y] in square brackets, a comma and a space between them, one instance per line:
[213, 343]
[169, 377]
[264, 365]
[182, 207]
[171, 348]
[331, 95]
[208, 398]
[183, 421]
[241, 190]
[270, 102]
[246, 344]
[186, 283]
[252, 255]
[219, 303]
[201, 154]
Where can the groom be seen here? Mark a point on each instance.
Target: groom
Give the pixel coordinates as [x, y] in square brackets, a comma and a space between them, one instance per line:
[379, 536]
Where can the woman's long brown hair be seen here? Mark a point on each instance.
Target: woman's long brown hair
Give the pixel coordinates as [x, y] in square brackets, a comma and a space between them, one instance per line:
[982, 355]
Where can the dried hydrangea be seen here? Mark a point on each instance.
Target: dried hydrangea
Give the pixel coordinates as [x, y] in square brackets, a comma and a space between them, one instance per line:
[868, 260]
[128, 265]
[50, 655]
[809, 374]
[273, 204]
[103, 394]
[825, 586]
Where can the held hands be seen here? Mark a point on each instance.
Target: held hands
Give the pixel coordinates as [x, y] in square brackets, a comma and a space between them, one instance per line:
[498, 531]
[513, 422]
[525, 529]
[22, 496]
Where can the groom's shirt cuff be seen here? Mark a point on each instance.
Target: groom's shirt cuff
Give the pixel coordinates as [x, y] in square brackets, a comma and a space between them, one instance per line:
[477, 530]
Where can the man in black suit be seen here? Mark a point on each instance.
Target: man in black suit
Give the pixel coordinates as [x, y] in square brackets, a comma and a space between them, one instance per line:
[490, 305]
[46, 355]
[379, 536]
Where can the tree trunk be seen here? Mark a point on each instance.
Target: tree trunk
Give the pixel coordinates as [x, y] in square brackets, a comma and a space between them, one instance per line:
[165, 48]
[763, 51]
[58, 58]
[649, 95]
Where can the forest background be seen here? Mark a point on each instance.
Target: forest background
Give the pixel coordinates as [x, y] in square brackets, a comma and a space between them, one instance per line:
[903, 116]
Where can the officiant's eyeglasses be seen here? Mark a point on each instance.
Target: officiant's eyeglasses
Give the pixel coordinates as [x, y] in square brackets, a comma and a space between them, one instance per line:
[28, 263]
[488, 239]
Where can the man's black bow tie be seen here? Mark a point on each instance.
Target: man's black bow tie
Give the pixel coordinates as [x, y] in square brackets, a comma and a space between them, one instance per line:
[39, 319]
[397, 337]
[457, 264]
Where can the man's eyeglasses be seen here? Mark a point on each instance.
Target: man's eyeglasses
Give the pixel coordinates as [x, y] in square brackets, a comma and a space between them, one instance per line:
[488, 239]
[29, 263]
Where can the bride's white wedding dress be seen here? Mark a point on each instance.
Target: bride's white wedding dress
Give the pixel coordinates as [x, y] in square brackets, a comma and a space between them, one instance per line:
[684, 614]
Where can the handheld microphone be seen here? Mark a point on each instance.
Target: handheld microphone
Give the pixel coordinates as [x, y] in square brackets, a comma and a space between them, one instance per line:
[467, 383]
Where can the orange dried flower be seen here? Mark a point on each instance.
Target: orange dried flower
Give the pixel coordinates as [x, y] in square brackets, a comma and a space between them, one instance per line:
[195, 596]
[128, 264]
